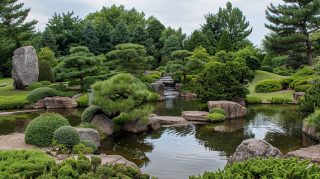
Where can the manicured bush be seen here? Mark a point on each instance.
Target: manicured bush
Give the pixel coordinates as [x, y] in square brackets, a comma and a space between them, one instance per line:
[283, 71]
[268, 86]
[280, 100]
[45, 83]
[67, 136]
[45, 71]
[285, 82]
[88, 81]
[34, 86]
[41, 129]
[253, 100]
[267, 68]
[13, 102]
[24, 163]
[58, 87]
[266, 168]
[218, 110]
[81, 149]
[216, 117]
[89, 113]
[83, 100]
[90, 144]
[41, 93]
[311, 100]
[303, 88]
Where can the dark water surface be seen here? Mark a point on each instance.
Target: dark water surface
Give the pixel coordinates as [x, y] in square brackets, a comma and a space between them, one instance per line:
[178, 152]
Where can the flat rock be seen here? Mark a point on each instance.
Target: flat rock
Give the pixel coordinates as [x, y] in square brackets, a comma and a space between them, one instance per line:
[103, 124]
[25, 67]
[56, 102]
[170, 120]
[311, 153]
[195, 115]
[117, 159]
[89, 134]
[233, 110]
[253, 148]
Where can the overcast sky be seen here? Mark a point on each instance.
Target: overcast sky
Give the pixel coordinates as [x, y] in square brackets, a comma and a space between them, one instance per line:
[188, 14]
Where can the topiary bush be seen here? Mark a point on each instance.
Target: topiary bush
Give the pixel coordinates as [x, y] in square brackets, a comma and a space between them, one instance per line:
[216, 117]
[83, 100]
[67, 136]
[268, 86]
[90, 144]
[280, 100]
[34, 86]
[90, 112]
[266, 168]
[45, 71]
[253, 100]
[311, 100]
[218, 110]
[267, 68]
[41, 93]
[41, 129]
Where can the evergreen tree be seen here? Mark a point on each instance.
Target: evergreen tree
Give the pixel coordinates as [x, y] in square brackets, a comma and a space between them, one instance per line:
[224, 43]
[292, 23]
[48, 40]
[170, 45]
[154, 30]
[138, 35]
[78, 65]
[197, 39]
[104, 33]
[90, 39]
[120, 34]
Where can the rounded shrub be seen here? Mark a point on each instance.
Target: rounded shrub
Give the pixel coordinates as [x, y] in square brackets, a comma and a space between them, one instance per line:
[90, 144]
[66, 135]
[45, 71]
[216, 117]
[253, 100]
[267, 86]
[89, 113]
[303, 88]
[41, 129]
[218, 110]
[33, 86]
[267, 68]
[41, 93]
[45, 83]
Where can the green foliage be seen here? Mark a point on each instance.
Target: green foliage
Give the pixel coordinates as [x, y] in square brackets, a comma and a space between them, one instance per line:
[266, 168]
[216, 117]
[253, 100]
[225, 43]
[223, 81]
[303, 88]
[90, 144]
[46, 54]
[13, 102]
[314, 119]
[67, 136]
[218, 110]
[40, 130]
[170, 45]
[223, 56]
[83, 100]
[149, 78]
[89, 113]
[45, 83]
[24, 163]
[88, 81]
[82, 149]
[198, 39]
[279, 100]
[41, 93]
[45, 71]
[279, 61]
[267, 86]
[311, 100]
[34, 86]
[267, 68]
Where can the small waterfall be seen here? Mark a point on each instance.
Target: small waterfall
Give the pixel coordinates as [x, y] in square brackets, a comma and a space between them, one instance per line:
[170, 90]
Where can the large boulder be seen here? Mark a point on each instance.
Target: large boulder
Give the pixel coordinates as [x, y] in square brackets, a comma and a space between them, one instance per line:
[233, 110]
[311, 130]
[140, 127]
[89, 134]
[171, 121]
[253, 148]
[103, 124]
[158, 88]
[195, 115]
[58, 102]
[25, 67]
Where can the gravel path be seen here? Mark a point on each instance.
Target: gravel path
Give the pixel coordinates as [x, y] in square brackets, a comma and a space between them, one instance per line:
[14, 141]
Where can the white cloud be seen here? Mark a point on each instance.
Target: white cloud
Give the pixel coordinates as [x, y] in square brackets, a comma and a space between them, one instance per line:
[179, 13]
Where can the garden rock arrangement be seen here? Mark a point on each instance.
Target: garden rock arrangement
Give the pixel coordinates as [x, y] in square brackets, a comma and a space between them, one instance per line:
[195, 115]
[25, 67]
[311, 130]
[89, 134]
[253, 148]
[139, 127]
[233, 110]
[56, 102]
[103, 124]
[158, 88]
[311, 153]
[169, 120]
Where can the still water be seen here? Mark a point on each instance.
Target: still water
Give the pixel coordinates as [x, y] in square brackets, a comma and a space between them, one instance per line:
[178, 152]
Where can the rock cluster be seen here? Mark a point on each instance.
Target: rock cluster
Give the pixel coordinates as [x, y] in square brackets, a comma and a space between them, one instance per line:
[233, 110]
[56, 102]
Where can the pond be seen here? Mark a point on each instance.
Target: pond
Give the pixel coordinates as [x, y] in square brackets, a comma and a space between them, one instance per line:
[178, 152]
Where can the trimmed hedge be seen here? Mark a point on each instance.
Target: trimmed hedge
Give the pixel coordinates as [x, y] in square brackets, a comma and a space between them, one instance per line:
[218, 110]
[45, 71]
[67, 136]
[303, 88]
[267, 68]
[253, 100]
[216, 117]
[90, 144]
[266, 168]
[268, 86]
[89, 113]
[45, 83]
[34, 86]
[279, 100]
[41, 129]
[41, 93]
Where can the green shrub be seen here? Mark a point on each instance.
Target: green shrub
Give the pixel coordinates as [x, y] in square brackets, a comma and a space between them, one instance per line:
[266, 168]
[216, 117]
[88, 81]
[314, 118]
[218, 110]
[12, 102]
[34, 86]
[311, 100]
[267, 68]
[24, 163]
[83, 100]
[81, 149]
[253, 100]
[283, 71]
[74, 83]
[149, 78]
[305, 71]
[303, 88]
[45, 83]
[267, 86]
[58, 87]
[90, 144]
[45, 71]
[67, 136]
[89, 113]
[41, 129]
[67, 171]
[41, 93]
[280, 100]
[153, 97]
[285, 82]
[3, 85]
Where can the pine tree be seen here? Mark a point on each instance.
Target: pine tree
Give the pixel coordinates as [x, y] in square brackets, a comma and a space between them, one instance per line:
[104, 33]
[197, 39]
[292, 24]
[224, 43]
[90, 39]
[170, 45]
[120, 34]
[48, 40]
[138, 35]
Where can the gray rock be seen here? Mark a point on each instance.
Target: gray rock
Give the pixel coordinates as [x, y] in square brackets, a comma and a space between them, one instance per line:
[89, 134]
[58, 102]
[135, 127]
[25, 67]
[103, 124]
[253, 148]
[232, 109]
[297, 95]
[154, 124]
[311, 153]
[311, 130]
[158, 88]
[170, 120]
[195, 115]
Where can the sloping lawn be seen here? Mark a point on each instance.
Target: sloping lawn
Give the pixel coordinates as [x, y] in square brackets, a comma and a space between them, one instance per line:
[262, 75]
[11, 98]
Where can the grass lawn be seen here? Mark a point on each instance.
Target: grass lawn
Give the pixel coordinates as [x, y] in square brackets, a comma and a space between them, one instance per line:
[262, 75]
